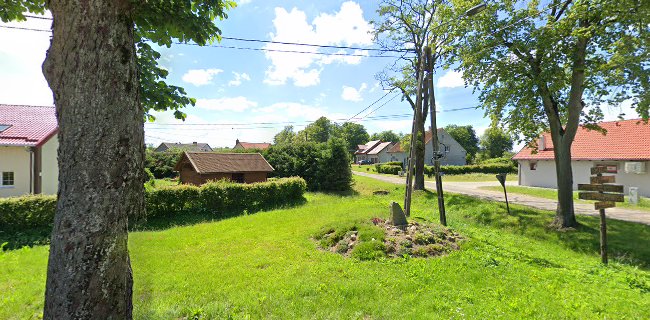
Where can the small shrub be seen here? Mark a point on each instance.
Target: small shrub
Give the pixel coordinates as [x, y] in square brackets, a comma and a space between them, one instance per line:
[475, 168]
[27, 211]
[371, 250]
[388, 169]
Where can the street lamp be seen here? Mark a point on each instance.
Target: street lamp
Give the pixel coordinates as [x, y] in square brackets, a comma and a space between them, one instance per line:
[475, 9]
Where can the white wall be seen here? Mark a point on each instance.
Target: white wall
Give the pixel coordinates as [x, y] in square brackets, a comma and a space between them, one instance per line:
[15, 159]
[544, 176]
[456, 155]
[50, 166]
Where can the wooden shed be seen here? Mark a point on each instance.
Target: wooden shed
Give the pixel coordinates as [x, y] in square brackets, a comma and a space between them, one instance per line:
[200, 167]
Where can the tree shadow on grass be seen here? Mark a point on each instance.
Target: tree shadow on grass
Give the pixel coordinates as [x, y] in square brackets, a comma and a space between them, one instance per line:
[16, 239]
[627, 241]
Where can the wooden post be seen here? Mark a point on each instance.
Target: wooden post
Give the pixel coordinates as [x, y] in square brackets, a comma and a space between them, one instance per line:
[414, 132]
[603, 236]
[434, 137]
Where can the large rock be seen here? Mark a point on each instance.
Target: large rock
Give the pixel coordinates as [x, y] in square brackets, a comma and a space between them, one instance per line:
[397, 217]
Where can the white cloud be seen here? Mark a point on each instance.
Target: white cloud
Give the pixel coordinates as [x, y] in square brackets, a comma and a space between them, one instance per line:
[237, 104]
[352, 94]
[451, 79]
[239, 77]
[345, 27]
[200, 77]
[241, 2]
[21, 57]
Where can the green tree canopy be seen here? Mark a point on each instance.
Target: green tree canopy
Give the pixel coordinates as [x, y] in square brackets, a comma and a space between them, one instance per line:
[495, 143]
[320, 130]
[466, 136]
[386, 136]
[354, 134]
[285, 136]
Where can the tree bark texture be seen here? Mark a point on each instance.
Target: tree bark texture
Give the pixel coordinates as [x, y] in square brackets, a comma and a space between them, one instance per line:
[91, 68]
[565, 215]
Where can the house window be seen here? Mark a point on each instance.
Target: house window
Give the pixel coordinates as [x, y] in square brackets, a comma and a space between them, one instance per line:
[4, 127]
[7, 178]
[238, 177]
[533, 165]
[447, 148]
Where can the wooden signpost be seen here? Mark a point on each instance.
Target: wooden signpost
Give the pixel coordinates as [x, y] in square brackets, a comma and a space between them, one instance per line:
[606, 196]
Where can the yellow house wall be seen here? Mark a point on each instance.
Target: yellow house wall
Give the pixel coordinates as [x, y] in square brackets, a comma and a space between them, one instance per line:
[15, 159]
[50, 166]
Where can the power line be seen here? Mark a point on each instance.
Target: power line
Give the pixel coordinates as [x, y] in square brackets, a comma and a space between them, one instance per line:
[23, 28]
[290, 51]
[366, 108]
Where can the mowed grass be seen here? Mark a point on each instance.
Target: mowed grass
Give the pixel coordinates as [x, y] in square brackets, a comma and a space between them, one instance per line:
[547, 193]
[469, 177]
[265, 265]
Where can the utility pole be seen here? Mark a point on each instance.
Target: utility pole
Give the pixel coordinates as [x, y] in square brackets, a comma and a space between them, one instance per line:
[434, 136]
[414, 133]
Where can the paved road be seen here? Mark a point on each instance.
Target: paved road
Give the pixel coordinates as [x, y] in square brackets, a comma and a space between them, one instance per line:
[472, 189]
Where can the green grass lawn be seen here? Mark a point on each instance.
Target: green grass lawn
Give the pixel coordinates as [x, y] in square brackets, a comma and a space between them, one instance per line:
[547, 193]
[470, 177]
[265, 265]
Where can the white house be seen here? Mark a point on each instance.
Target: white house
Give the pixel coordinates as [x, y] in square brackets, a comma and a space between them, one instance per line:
[378, 152]
[28, 150]
[626, 146]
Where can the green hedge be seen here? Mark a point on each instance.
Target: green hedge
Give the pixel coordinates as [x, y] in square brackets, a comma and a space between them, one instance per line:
[475, 168]
[389, 169]
[216, 198]
[27, 211]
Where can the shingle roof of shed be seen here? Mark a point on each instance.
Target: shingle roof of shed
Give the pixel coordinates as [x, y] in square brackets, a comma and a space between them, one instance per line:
[625, 140]
[29, 126]
[210, 162]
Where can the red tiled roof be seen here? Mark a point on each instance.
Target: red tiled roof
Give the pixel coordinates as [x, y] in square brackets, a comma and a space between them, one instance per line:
[625, 140]
[255, 145]
[209, 162]
[396, 148]
[29, 126]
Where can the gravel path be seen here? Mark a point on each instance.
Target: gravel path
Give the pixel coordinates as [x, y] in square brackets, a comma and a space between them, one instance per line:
[472, 189]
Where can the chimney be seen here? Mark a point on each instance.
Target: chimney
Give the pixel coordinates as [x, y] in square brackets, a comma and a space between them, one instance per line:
[194, 143]
[541, 145]
[237, 141]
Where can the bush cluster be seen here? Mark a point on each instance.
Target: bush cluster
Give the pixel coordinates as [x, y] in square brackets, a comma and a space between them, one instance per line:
[388, 168]
[216, 198]
[161, 164]
[324, 166]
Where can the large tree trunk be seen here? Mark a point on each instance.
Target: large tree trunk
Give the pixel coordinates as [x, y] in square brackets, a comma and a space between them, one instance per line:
[419, 157]
[565, 215]
[91, 68]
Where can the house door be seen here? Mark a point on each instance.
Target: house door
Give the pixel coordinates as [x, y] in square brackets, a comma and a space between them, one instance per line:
[238, 177]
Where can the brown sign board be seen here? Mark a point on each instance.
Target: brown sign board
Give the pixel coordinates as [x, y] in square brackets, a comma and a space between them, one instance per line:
[601, 187]
[616, 197]
[603, 179]
[604, 205]
[604, 169]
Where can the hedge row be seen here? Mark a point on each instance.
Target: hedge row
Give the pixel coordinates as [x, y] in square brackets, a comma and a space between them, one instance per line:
[224, 198]
[475, 168]
[388, 168]
[215, 198]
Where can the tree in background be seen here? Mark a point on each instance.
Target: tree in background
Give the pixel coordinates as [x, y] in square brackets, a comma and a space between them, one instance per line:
[101, 101]
[466, 137]
[354, 134]
[387, 136]
[335, 172]
[551, 65]
[285, 136]
[495, 143]
[320, 130]
[412, 25]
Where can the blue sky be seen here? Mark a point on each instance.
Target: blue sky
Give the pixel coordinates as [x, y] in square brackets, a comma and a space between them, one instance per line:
[244, 88]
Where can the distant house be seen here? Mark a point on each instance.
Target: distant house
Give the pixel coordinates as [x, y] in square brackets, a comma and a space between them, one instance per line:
[380, 152]
[363, 149]
[200, 167]
[191, 147]
[250, 145]
[626, 146]
[28, 150]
